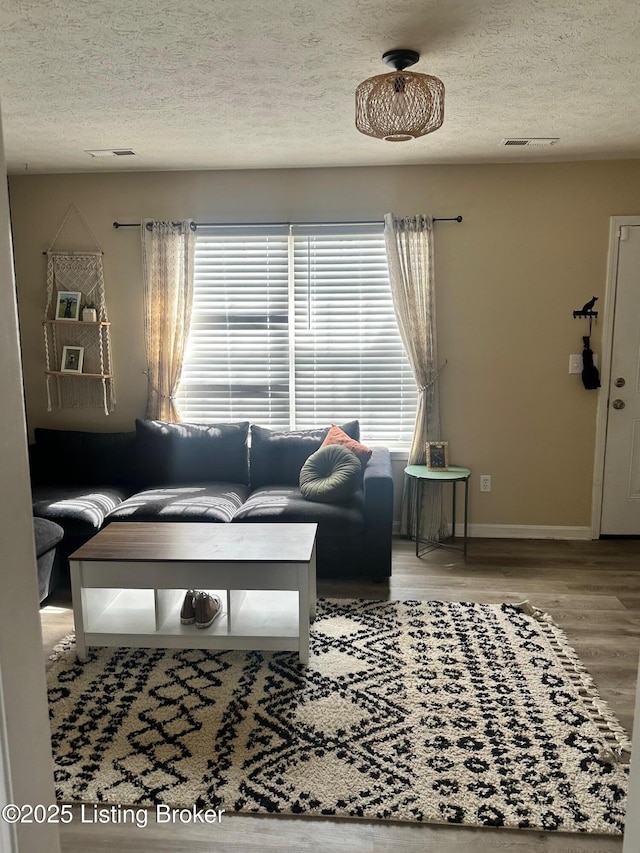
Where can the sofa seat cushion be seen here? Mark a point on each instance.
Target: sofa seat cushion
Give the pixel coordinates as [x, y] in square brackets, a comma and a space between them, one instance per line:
[190, 502]
[80, 510]
[285, 503]
[47, 535]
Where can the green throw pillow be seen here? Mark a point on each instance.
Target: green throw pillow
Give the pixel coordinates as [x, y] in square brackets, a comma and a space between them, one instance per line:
[330, 475]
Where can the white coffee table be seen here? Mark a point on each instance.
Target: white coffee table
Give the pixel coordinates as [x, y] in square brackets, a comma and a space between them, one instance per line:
[128, 584]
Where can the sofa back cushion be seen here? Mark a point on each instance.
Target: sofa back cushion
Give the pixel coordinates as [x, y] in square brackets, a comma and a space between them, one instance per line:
[173, 453]
[74, 458]
[276, 456]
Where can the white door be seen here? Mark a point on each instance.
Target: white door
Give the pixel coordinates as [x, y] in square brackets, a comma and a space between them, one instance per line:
[621, 483]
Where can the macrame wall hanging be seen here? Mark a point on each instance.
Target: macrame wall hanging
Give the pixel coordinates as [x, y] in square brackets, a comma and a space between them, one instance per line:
[79, 372]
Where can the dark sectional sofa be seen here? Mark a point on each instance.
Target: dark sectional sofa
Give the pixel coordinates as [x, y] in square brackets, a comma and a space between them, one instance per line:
[223, 473]
[47, 535]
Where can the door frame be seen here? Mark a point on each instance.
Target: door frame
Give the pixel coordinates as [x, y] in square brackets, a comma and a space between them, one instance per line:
[8, 839]
[606, 346]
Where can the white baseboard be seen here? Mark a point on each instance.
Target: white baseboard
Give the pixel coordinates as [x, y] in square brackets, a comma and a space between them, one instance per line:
[524, 531]
[518, 531]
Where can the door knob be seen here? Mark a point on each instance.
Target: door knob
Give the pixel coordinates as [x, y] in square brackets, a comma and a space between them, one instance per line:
[619, 383]
[618, 404]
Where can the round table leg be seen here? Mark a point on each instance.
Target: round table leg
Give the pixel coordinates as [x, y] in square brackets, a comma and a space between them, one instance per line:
[466, 508]
[418, 488]
[453, 514]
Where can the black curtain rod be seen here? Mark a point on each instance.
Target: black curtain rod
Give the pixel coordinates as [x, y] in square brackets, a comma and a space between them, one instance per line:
[195, 225]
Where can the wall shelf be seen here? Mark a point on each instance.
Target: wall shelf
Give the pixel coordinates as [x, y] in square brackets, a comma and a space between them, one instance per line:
[75, 323]
[78, 274]
[64, 391]
[72, 374]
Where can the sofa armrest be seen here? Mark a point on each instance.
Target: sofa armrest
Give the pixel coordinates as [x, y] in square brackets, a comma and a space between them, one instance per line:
[378, 514]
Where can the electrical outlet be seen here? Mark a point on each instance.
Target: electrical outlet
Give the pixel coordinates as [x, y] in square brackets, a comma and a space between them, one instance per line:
[485, 482]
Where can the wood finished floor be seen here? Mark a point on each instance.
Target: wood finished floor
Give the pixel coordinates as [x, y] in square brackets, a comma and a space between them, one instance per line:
[592, 590]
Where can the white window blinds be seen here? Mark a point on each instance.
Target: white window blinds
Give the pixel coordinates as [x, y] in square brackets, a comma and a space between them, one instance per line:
[236, 366]
[348, 356]
[294, 327]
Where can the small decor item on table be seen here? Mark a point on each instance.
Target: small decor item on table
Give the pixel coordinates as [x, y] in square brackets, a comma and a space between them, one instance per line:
[68, 305]
[438, 455]
[72, 358]
[90, 313]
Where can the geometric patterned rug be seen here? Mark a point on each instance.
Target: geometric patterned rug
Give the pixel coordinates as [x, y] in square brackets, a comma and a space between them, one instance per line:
[440, 712]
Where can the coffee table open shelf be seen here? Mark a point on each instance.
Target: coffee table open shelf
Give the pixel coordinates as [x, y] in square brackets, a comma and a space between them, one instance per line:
[128, 585]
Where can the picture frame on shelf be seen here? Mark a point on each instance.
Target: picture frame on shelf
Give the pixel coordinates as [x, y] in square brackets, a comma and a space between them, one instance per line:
[72, 358]
[438, 455]
[68, 305]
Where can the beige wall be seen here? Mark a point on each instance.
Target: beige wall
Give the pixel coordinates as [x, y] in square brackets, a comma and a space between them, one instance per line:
[532, 248]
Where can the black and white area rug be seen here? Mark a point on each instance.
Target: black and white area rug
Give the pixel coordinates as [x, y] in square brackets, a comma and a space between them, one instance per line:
[459, 713]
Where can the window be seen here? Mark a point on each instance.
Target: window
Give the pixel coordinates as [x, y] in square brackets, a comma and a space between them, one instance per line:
[292, 327]
[236, 366]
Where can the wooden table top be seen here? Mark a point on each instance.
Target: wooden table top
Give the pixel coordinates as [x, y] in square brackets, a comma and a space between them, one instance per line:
[201, 542]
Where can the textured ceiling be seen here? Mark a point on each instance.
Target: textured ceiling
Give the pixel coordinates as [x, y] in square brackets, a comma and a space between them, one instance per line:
[234, 84]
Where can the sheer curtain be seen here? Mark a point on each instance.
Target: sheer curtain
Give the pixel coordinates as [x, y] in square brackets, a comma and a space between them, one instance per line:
[409, 242]
[167, 260]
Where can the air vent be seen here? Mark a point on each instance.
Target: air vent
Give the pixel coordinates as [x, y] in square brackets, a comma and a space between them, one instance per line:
[111, 152]
[539, 142]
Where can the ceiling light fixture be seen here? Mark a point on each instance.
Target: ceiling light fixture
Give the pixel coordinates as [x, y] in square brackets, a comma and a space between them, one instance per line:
[400, 105]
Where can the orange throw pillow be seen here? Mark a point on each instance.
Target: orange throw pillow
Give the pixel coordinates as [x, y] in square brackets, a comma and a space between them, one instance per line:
[338, 436]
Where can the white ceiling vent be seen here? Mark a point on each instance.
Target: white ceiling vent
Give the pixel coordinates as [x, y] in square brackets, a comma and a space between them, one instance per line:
[111, 152]
[539, 142]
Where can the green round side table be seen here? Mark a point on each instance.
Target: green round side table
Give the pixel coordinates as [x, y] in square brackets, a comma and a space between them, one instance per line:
[452, 475]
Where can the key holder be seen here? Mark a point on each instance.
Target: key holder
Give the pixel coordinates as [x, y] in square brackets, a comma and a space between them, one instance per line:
[587, 312]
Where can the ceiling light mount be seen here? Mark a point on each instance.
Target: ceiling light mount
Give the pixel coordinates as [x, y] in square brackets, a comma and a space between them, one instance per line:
[400, 105]
[400, 58]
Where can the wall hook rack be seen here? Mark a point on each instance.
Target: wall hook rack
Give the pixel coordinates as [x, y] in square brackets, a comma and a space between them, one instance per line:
[586, 315]
[587, 310]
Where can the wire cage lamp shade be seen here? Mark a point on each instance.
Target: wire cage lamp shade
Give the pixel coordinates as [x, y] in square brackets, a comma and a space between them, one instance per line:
[400, 105]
